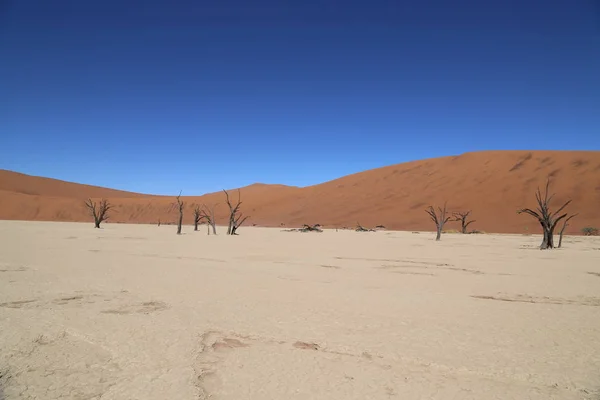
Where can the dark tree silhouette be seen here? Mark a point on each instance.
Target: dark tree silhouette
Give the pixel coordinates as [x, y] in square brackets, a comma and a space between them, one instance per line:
[197, 217]
[180, 205]
[208, 214]
[236, 218]
[545, 217]
[562, 230]
[311, 228]
[98, 210]
[439, 219]
[360, 228]
[463, 218]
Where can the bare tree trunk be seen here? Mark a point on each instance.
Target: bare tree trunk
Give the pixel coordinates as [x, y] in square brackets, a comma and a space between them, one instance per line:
[560, 236]
[439, 220]
[197, 217]
[562, 230]
[180, 205]
[545, 217]
[547, 241]
[180, 222]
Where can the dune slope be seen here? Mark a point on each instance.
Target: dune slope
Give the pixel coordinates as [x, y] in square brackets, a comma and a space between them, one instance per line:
[493, 184]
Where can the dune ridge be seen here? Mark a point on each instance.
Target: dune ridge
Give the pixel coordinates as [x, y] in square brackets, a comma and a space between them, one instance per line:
[493, 184]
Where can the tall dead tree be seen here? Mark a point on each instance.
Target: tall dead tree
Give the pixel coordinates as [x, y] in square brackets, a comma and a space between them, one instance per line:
[98, 210]
[562, 230]
[463, 218]
[545, 217]
[180, 205]
[439, 218]
[236, 218]
[208, 214]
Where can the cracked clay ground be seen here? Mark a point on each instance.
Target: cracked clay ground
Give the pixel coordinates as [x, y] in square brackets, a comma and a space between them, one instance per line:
[138, 313]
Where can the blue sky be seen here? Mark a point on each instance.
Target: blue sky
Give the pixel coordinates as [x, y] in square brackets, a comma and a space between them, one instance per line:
[158, 96]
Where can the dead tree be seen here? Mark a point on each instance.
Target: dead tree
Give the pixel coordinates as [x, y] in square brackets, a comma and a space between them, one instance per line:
[236, 218]
[360, 228]
[463, 218]
[562, 230]
[545, 217]
[438, 218]
[311, 228]
[180, 205]
[197, 217]
[98, 210]
[208, 214]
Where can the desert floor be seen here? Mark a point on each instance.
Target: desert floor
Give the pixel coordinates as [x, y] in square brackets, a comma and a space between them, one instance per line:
[137, 312]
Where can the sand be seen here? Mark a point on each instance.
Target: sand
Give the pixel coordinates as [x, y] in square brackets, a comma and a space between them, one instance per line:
[493, 184]
[137, 312]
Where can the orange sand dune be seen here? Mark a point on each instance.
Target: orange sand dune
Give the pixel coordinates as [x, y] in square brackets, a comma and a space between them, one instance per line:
[493, 184]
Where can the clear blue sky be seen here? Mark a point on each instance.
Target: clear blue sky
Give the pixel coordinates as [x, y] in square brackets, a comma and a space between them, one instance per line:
[158, 96]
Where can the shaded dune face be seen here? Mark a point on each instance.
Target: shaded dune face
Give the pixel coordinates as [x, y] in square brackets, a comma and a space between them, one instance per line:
[492, 184]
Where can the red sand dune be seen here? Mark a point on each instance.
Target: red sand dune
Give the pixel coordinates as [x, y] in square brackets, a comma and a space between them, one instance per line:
[493, 184]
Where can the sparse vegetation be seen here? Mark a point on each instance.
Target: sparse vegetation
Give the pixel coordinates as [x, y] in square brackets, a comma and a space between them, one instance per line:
[439, 218]
[236, 218]
[463, 218]
[99, 211]
[545, 217]
[590, 231]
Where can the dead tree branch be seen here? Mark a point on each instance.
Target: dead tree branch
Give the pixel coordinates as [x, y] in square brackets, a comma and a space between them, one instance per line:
[562, 230]
[438, 218]
[311, 228]
[98, 210]
[463, 218]
[307, 228]
[360, 228]
[235, 217]
[545, 217]
[237, 223]
[197, 217]
[208, 214]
